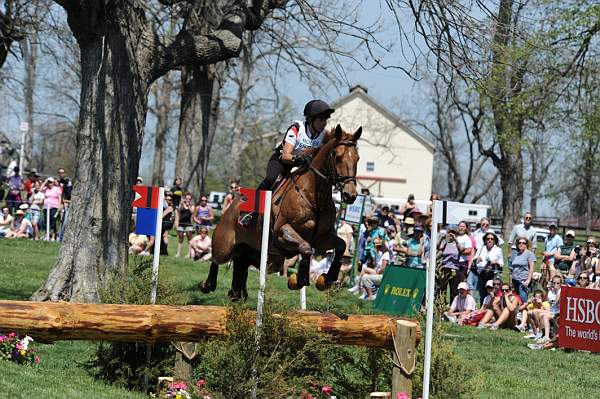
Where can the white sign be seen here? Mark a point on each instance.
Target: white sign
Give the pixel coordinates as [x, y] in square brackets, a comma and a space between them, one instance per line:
[354, 211]
[449, 212]
[24, 126]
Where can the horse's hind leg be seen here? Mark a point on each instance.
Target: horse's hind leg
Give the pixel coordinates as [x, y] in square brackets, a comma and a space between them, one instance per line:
[292, 242]
[240, 277]
[211, 281]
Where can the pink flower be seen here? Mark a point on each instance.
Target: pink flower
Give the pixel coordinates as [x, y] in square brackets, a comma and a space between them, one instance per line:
[19, 346]
[12, 335]
[401, 395]
[327, 390]
[178, 385]
[200, 383]
[37, 360]
[2, 338]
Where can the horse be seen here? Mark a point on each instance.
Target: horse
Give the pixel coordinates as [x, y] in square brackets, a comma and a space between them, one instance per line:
[303, 219]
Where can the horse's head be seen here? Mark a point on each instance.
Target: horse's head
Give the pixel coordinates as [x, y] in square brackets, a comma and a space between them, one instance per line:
[344, 160]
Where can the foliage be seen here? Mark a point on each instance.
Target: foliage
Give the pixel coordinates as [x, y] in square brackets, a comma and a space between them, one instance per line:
[124, 363]
[18, 350]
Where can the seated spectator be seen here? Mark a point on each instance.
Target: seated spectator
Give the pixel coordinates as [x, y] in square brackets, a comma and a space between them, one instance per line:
[474, 318]
[504, 310]
[586, 259]
[537, 302]
[21, 226]
[201, 246]
[371, 280]
[543, 317]
[346, 233]
[522, 267]
[385, 220]
[565, 254]
[462, 304]
[137, 243]
[5, 221]
[372, 232]
[345, 269]
[414, 249]
[489, 262]
[319, 265]
[583, 280]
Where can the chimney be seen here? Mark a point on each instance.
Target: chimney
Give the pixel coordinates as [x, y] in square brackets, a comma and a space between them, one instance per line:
[358, 87]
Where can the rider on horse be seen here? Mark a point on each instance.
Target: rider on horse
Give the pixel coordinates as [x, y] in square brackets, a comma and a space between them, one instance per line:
[300, 136]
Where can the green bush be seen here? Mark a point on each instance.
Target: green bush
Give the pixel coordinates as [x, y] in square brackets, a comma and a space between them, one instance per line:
[124, 363]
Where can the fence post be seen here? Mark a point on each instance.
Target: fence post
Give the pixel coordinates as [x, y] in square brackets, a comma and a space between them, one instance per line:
[404, 357]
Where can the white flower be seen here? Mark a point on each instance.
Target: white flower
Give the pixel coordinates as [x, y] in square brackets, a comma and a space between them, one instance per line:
[25, 342]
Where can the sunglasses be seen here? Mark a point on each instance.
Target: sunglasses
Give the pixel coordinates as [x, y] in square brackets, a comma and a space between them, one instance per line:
[505, 289]
[527, 218]
[591, 243]
[489, 238]
[522, 243]
[583, 278]
[497, 284]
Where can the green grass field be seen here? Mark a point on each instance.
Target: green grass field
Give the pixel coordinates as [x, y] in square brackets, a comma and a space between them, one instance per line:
[509, 368]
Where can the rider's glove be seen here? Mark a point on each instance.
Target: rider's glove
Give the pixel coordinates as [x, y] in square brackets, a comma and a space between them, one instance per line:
[303, 159]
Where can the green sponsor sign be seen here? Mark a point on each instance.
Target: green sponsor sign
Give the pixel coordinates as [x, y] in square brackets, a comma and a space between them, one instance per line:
[401, 290]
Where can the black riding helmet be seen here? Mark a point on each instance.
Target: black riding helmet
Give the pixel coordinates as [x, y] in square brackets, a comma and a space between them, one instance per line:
[316, 108]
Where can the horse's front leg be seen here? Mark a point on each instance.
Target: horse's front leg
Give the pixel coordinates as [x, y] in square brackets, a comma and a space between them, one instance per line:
[290, 240]
[339, 245]
[211, 281]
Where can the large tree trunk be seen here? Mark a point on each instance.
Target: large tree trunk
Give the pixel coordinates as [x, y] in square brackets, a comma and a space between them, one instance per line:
[197, 125]
[511, 182]
[111, 126]
[162, 94]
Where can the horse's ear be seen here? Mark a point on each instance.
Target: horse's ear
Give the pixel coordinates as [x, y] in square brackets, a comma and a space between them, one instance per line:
[357, 134]
[338, 132]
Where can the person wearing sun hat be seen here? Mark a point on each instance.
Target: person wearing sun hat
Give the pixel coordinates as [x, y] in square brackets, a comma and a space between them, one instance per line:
[21, 227]
[462, 304]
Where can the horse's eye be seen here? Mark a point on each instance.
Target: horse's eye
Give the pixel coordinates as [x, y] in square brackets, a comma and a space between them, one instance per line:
[338, 159]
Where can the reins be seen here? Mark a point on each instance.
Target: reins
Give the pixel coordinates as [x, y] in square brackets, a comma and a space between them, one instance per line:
[334, 179]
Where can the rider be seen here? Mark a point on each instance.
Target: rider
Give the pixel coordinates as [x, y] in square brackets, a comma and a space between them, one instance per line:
[301, 135]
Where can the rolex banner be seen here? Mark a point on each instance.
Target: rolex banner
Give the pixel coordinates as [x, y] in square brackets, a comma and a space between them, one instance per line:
[401, 290]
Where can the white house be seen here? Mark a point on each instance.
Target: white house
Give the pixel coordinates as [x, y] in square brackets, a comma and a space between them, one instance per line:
[395, 161]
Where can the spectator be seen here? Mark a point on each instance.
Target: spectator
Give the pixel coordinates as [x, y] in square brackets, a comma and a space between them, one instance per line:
[5, 221]
[137, 243]
[543, 317]
[201, 246]
[177, 191]
[345, 269]
[551, 244]
[484, 227]
[489, 262]
[15, 186]
[37, 204]
[504, 310]
[65, 184]
[346, 233]
[168, 219]
[408, 206]
[21, 226]
[528, 315]
[52, 202]
[433, 197]
[372, 231]
[583, 280]
[451, 273]
[371, 276]
[462, 304]
[183, 222]
[524, 229]
[29, 184]
[465, 249]
[234, 187]
[400, 241]
[385, 220]
[203, 213]
[319, 265]
[522, 268]
[414, 249]
[565, 254]
[64, 217]
[584, 261]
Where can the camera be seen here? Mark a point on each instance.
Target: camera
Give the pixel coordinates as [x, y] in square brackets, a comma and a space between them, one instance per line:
[577, 251]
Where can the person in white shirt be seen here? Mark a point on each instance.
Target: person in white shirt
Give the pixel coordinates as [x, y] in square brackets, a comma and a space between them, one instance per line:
[371, 277]
[5, 221]
[489, 262]
[484, 227]
[462, 304]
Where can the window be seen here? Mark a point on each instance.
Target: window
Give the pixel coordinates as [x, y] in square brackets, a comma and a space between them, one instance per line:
[370, 166]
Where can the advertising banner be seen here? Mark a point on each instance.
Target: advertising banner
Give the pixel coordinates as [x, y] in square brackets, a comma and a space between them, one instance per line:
[354, 211]
[401, 290]
[579, 323]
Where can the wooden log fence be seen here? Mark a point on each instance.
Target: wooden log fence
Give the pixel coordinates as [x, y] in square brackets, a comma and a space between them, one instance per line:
[58, 321]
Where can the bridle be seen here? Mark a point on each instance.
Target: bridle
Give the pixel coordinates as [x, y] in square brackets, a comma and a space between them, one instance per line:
[334, 179]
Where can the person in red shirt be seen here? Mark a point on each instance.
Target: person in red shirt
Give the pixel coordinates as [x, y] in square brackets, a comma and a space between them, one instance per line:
[504, 309]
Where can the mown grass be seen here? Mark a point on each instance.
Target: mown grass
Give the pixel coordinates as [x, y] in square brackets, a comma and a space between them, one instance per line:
[508, 367]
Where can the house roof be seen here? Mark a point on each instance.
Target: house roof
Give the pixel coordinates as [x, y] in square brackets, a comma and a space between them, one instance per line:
[359, 91]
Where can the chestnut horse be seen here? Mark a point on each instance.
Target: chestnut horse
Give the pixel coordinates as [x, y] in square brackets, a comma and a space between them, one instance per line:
[303, 219]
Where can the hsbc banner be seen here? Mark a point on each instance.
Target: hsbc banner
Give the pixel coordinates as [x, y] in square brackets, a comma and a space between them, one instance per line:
[579, 319]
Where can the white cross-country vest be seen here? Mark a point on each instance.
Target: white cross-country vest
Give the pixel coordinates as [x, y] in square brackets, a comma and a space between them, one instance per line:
[297, 135]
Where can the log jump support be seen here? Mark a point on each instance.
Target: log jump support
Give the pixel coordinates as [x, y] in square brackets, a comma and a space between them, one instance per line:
[405, 359]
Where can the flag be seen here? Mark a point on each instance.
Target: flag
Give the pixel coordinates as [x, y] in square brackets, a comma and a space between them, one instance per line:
[255, 200]
[147, 209]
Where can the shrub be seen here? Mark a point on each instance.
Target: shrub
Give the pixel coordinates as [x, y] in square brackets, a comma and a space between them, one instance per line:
[124, 363]
[18, 350]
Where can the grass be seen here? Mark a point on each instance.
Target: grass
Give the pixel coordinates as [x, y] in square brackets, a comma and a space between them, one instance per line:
[509, 368]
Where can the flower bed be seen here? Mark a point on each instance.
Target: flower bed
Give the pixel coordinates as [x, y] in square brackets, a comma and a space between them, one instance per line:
[17, 349]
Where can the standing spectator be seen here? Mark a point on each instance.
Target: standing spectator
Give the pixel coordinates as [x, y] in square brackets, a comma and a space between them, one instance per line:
[52, 201]
[37, 204]
[346, 233]
[522, 268]
[66, 185]
[15, 186]
[203, 213]
[234, 187]
[408, 206]
[64, 217]
[168, 220]
[32, 178]
[451, 272]
[484, 227]
[565, 254]
[21, 226]
[183, 222]
[201, 245]
[526, 230]
[465, 250]
[177, 191]
[5, 221]
[552, 244]
[489, 262]
[385, 220]
[414, 249]
[433, 197]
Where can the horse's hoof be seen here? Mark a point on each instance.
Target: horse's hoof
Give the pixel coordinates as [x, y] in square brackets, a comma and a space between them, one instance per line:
[293, 281]
[322, 284]
[205, 288]
[235, 296]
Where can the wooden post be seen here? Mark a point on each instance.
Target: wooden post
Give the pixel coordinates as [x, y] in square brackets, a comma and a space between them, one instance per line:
[404, 357]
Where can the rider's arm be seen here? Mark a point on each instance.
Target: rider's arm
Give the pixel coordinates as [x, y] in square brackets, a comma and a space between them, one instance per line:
[286, 152]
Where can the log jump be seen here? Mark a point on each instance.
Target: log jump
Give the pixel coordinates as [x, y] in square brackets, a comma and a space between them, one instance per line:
[58, 321]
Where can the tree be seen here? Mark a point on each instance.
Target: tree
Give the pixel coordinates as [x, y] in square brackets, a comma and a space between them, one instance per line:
[122, 54]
